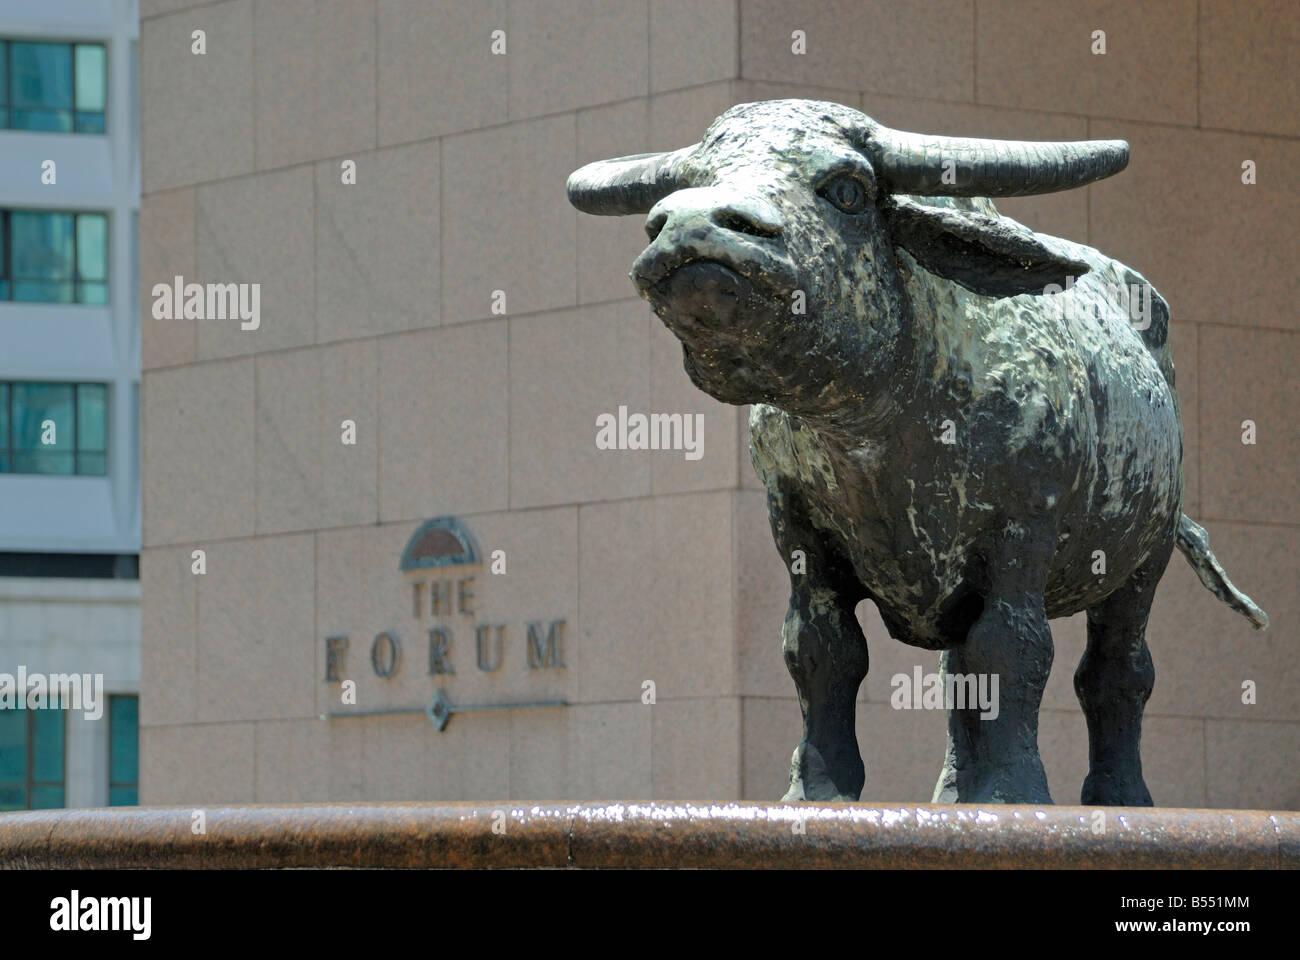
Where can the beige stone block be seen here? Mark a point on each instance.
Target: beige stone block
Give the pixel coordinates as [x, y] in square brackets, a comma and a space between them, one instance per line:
[200, 765]
[888, 658]
[1185, 339]
[437, 73]
[1249, 375]
[576, 54]
[153, 8]
[690, 589]
[539, 754]
[443, 422]
[1040, 56]
[347, 766]
[293, 761]
[256, 649]
[1250, 766]
[403, 754]
[506, 220]
[1220, 251]
[655, 603]
[1173, 762]
[696, 749]
[902, 750]
[167, 250]
[692, 42]
[1063, 747]
[1069, 640]
[1205, 653]
[1247, 66]
[197, 453]
[1063, 214]
[859, 45]
[681, 117]
[307, 478]
[168, 636]
[607, 246]
[750, 91]
[259, 230]
[196, 112]
[485, 767]
[556, 395]
[762, 591]
[1179, 639]
[611, 752]
[672, 392]
[315, 65]
[377, 257]
[770, 730]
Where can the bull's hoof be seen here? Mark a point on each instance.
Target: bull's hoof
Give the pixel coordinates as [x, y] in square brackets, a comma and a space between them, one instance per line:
[1110, 790]
[1023, 783]
[814, 777]
[797, 794]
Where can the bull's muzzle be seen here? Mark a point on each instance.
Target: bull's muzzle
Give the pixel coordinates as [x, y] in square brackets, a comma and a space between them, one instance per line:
[711, 251]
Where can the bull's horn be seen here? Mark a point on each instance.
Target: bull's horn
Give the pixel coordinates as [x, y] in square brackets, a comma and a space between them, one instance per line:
[627, 184]
[915, 163]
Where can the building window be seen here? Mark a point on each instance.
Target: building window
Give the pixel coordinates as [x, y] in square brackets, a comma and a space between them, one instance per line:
[52, 256]
[123, 751]
[31, 759]
[54, 428]
[59, 87]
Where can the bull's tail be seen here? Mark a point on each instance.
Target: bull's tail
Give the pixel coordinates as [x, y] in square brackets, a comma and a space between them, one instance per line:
[1194, 542]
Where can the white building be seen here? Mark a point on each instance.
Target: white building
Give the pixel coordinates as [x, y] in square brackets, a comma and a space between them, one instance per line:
[69, 392]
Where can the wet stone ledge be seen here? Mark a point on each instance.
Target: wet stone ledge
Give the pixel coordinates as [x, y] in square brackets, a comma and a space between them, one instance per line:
[665, 834]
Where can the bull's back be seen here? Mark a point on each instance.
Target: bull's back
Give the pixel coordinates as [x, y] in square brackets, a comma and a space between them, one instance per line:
[1130, 495]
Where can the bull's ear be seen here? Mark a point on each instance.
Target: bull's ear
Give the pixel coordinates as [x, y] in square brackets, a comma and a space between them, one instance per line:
[991, 256]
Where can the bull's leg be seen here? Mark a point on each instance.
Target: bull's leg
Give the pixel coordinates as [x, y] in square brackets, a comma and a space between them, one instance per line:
[992, 752]
[1113, 682]
[825, 653]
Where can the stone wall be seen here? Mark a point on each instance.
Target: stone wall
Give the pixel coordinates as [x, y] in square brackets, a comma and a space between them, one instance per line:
[377, 306]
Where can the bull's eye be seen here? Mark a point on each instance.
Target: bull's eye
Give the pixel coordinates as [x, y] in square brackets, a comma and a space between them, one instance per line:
[846, 192]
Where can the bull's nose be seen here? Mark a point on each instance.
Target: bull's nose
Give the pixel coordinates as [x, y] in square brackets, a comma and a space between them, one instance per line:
[701, 294]
[752, 216]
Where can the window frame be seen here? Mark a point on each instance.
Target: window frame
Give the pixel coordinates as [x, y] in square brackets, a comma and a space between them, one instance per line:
[29, 782]
[6, 268]
[6, 63]
[8, 451]
[123, 784]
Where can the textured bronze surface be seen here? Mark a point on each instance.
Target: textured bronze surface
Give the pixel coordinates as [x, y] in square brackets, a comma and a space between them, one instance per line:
[593, 835]
[968, 423]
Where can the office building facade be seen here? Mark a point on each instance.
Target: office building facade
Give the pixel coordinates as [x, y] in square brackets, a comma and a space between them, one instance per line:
[69, 404]
[385, 555]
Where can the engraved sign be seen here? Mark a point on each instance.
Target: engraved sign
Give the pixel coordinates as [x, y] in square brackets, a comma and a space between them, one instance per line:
[450, 615]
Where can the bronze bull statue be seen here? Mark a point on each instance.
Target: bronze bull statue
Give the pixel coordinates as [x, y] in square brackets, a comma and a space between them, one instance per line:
[953, 416]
